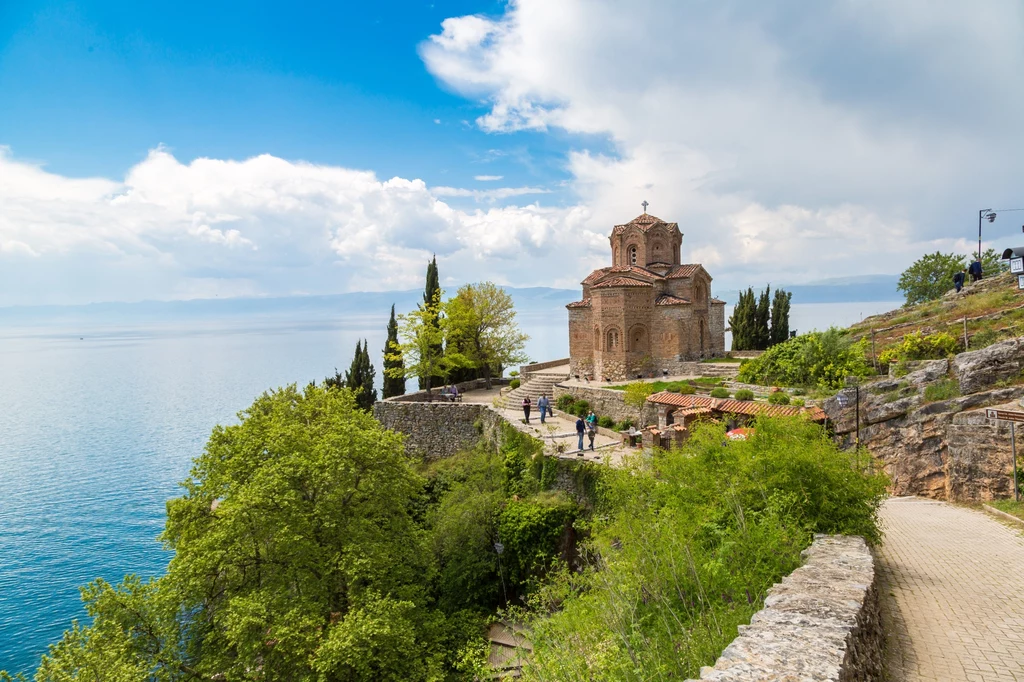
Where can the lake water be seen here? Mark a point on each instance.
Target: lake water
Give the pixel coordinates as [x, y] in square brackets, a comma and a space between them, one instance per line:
[98, 424]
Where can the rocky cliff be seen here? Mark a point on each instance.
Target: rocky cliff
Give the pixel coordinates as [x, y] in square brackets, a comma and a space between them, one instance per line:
[928, 429]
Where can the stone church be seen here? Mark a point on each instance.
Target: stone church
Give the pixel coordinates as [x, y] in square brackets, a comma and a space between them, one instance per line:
[647, 313]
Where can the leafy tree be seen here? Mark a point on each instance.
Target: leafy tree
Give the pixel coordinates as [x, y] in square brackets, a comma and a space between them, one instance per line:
[636, 396]
[822, 359]
[482, 330]
[992, 263]
[431, 293]
[762, 333]
[420, 347]
[359, 378]
[296, 557]
[780, 317]
[394, 382]
[930, 276]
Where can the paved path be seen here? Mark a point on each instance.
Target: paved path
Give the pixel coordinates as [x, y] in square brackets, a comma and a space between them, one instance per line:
[952, 584]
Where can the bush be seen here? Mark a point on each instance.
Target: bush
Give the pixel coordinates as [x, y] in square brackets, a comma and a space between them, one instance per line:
[799, 391]
[917, 346]
[565, 402]
[797, 402]
[514, 384]
[944, 389]
[581, 408]
[624, 425]
[822, 359]
[719, 393]
[605, 422]
[744, 394]
[778, 398]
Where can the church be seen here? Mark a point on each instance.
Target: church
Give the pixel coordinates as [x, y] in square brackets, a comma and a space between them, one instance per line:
[648, 313]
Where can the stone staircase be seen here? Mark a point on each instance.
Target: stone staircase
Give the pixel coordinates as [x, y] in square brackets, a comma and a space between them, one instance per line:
[538, 385]
[724, 370]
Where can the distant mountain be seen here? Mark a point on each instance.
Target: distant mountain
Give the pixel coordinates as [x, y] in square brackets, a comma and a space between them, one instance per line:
[836, 290]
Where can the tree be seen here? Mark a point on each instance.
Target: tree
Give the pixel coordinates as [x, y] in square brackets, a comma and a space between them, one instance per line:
[762, 333]
[296, 554]
[482, 330]
[743, 320]
[930, 276]
[636, 396]
[992, 263]
[420, 347]
[359, 378]
[432, 292]
[780, 316]
[394, 383]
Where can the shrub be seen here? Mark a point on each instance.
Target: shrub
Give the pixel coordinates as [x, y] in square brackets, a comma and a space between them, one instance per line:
[719, 393]
[514, 384]
[983, 338]
[917, 346]
[744, 394]
[565, 402]
[797, 402]
[624, 425]
[799, 391]
[606, 422]
[944, 389]
[685, 388]
[778, 398]
[821, 359]
[581, 408]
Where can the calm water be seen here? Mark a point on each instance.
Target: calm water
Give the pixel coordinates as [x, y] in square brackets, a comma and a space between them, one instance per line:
[95, 434]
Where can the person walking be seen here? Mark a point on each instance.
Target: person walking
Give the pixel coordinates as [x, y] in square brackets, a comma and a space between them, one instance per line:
[542, 405]
[975, 270]
[526, 408]
[958, 280]
[591, 420]
[591, 434]
[580, 426]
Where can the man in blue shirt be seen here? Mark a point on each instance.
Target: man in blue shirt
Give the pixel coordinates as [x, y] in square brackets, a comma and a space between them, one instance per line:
[580, 428]
[542, 405]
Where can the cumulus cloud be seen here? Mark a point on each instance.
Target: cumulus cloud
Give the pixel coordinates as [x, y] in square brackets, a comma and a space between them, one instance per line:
[488, 178]
[262, 226]
[790, 141]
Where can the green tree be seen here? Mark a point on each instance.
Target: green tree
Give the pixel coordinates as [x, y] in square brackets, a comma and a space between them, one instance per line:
[359, 378]
[992, 263]
[431, 293]
[296, 557]
[930, 276]
[742, 322]
[762, 332]
[482, 330]
[420, 346]
[394, 382]
[780, 317]
[636, 397]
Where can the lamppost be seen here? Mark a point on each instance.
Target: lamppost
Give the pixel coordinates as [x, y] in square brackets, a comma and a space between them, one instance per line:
[984, 214]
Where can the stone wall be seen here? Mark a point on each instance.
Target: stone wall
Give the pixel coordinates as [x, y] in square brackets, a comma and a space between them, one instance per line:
[820, 623]
[435, 393]
[607, 402]
[525, 371]
[437, 430]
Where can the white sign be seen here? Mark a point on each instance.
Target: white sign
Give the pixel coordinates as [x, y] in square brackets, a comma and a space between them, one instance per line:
[1020, 281]
[1016, 265]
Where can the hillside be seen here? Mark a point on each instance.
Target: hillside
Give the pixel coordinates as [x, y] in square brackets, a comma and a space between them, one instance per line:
[992, 308]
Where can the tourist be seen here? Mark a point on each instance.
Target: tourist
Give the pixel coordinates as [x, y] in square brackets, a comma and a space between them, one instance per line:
[958, 280]
[975, 270]
[591, 434]
[526, 408]
[454, 393]
[591, 420]
[543, 405]
[580, 427]
[444, 393]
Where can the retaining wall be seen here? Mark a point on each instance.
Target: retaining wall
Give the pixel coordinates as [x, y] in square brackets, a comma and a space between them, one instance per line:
[435, 393]
[437, 430]
[526, 370]
[820, 623]
[607, 402]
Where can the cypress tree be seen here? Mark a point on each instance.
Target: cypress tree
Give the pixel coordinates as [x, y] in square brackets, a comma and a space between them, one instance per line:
[392, 385]
[780, 316]
[762, 333]
[359, 378]
[431, 293]
[743, 321]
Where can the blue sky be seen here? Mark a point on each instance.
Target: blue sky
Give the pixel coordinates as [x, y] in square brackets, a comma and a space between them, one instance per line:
[182, 150]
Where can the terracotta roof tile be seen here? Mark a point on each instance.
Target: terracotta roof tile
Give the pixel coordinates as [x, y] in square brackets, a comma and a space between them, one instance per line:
[682, 271]
[622, 282]
[585, 303]
[718, 301]
[668, 299]
[747, 407]
[644, 221]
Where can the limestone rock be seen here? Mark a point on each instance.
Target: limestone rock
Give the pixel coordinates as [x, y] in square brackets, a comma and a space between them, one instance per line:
[981, 369]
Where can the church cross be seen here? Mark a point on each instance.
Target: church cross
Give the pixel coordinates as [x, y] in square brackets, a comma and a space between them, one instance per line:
[645, 205]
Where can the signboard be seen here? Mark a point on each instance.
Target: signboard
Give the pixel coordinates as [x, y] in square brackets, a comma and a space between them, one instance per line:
[1005, 415]
[1017, 265]
[1020, 281]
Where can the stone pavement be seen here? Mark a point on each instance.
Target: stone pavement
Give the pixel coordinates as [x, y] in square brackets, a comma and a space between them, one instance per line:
[952, 589]
[561, 431]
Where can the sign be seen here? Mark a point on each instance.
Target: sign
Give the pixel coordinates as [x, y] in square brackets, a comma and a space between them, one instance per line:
[1020, 281]
[1017, 265]
[1005, 415]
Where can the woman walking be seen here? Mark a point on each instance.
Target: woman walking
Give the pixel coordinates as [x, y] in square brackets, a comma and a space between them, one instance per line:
[526, 408]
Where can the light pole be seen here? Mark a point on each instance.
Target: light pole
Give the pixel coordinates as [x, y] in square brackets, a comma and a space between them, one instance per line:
[984, 214]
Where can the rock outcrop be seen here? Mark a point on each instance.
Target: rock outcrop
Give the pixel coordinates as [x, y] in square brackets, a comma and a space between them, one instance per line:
[943, 449]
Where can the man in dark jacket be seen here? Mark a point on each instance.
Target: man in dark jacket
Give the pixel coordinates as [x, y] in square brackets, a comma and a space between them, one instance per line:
[958, 280]
[975, 271]
[580, 428]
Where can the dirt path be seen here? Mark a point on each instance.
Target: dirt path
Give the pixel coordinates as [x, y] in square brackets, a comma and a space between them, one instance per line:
[952, 582]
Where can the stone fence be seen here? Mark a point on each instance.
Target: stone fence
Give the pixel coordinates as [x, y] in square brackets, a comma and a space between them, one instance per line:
[607, 402]
[820, 623]
[526, 370]
[437, 430]
[435, 393]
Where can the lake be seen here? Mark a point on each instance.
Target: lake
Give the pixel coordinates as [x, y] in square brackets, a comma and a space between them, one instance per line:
[99, 423]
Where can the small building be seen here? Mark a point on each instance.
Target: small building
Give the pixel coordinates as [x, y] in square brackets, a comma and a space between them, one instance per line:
[648, 312]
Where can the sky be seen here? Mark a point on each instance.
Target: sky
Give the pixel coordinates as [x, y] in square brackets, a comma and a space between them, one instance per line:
[183, 150]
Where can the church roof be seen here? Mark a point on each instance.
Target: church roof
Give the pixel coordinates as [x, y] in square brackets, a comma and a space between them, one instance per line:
[668, 299]
[718, 301]
[644, 221]
[747, 407]
[622, 282]
[585, 303]
[683, 271]
[625, 269]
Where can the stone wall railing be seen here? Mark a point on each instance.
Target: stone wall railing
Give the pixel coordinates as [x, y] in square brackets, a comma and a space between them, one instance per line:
[526, 370]
[435, 393]
[820, 623]
[607, 402]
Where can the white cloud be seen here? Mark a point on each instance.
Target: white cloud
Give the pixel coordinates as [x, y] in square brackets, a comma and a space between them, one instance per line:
[488, 178]
[487, 194]
[790, 141]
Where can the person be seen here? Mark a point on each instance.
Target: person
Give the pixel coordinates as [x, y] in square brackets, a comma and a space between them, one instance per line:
[454, 393]
[526, 408]
[551, 410]
[542, 405]
[958, 280]
[591, 434]
[975, 270]
[591, 420]
[444, 393]
[580, 426]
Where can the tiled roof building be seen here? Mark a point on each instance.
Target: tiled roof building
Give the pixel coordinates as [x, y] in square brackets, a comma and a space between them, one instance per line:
[647, 312]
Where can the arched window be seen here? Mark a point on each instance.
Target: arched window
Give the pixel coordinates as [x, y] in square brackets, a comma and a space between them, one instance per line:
[613, 340]
[700, 293]
[632, 255]
[638, 339]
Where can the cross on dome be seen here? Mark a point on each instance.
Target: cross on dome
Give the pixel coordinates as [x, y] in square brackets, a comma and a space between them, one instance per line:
[645, 205]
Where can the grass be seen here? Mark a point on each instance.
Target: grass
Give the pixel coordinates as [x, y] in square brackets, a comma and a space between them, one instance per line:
[1008, 506]
[704, 382]
[734, 361]
[944, 389]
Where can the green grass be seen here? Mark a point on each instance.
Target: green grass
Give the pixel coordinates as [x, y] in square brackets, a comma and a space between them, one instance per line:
[1008, 506]
[944, 389]
[704, 382]
[735, 361]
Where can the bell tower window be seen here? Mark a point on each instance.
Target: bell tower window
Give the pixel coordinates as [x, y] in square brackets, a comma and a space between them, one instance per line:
[632, 255]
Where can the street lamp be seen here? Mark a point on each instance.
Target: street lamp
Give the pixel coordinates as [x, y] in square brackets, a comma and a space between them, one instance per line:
[984, 214]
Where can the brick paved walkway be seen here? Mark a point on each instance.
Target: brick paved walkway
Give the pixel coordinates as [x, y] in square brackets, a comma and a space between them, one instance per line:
[952, 586]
